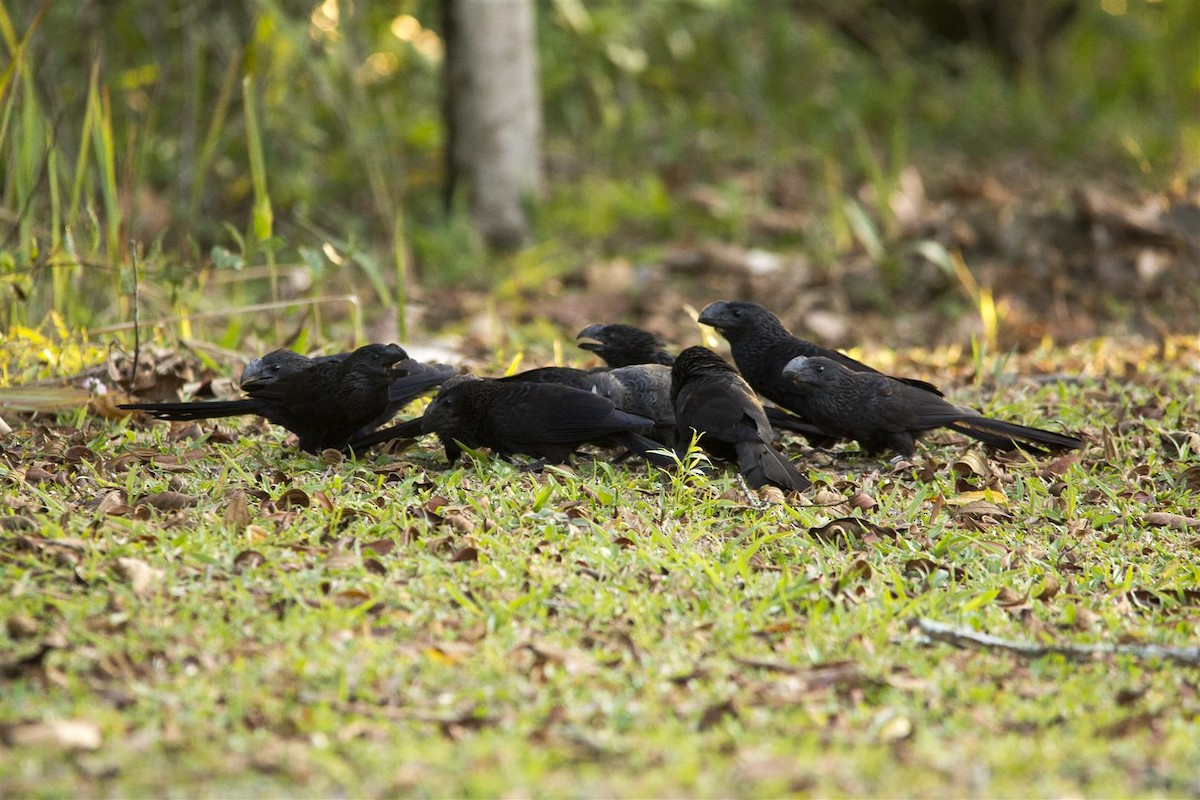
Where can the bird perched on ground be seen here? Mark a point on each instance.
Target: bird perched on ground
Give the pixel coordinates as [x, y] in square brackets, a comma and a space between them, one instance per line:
[882, 413]
[416, 380]
[712, 399]
[324, 403]
[563, 376]
[548, 421]
[624, 345]
[761, 347]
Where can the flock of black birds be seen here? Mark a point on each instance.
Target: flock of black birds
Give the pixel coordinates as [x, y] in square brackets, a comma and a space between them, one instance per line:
[644, 400]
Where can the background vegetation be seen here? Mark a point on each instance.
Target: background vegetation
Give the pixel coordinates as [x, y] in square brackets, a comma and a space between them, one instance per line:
[282, 150]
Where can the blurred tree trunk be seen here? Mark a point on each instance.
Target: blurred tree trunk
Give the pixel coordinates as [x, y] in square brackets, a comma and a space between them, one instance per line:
[493, 113]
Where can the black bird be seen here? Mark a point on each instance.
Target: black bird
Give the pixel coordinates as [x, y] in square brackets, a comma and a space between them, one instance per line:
[324, 403]
[712, 400]
[882, 413]
[761, 346]
[624, 345]
[548, 421]
[417, 378]
[410, 429]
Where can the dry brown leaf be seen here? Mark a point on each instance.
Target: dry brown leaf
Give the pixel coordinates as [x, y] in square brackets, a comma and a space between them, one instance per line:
[348, 598]
[863, 501]
[237, 512]
[465, 554]
[460, 522]
[140, 576]
[771, 494]
[380, 547]
[1010, 598]
[1050, 588]
[167, 501]
[849, 529]
[1191, 478]
[1176, 522]
[1061, 465]
[341, 561]
[974, 463]
[257, 533]
[981, 508]
[36, 474]
[67, 734]
[17, 524]
[21, 626]
[715, 713]
[293, 498]
[248, 559]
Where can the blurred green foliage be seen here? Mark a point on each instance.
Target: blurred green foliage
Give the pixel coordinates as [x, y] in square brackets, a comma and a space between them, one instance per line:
[127, 121]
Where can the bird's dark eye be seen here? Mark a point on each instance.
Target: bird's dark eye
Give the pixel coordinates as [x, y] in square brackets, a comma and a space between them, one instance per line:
[737, 312]
[820, 368]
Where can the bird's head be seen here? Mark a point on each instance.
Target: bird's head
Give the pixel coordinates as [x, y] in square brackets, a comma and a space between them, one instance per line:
[811, 370]
[732, 318]
[445, 409]
[384, 361]
[275, 364]
[622, 345]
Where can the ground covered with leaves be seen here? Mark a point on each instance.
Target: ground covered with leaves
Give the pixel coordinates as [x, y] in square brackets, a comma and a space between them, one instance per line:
[198, 610]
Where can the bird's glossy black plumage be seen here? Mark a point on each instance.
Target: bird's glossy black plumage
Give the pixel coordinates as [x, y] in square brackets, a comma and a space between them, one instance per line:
[545, 420]
[324, 403]
[712, 399]
[883, 414]
[761, 346]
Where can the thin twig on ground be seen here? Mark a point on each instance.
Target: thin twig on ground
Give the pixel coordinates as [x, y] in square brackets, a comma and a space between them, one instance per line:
[963, 637]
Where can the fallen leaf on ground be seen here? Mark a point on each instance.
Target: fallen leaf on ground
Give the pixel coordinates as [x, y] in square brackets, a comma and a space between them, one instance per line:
[1173, 521]
[70, 734]
[140, 576]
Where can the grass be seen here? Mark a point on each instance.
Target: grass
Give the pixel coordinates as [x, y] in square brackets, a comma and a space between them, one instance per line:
[287, 625]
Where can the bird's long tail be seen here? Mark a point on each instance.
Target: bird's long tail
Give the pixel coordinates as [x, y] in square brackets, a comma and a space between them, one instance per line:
[646, 448]
[212, 409]
[409, 429]
[783, 421]
[761, 464]
[1011, 436]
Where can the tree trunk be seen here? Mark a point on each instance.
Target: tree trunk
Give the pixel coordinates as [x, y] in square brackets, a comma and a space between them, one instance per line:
[493, 113]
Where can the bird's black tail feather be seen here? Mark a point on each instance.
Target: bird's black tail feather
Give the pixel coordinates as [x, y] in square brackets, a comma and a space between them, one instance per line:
[761, 464]
[1011, 436]
[409, 429]
[213, 409]
[783, 421]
